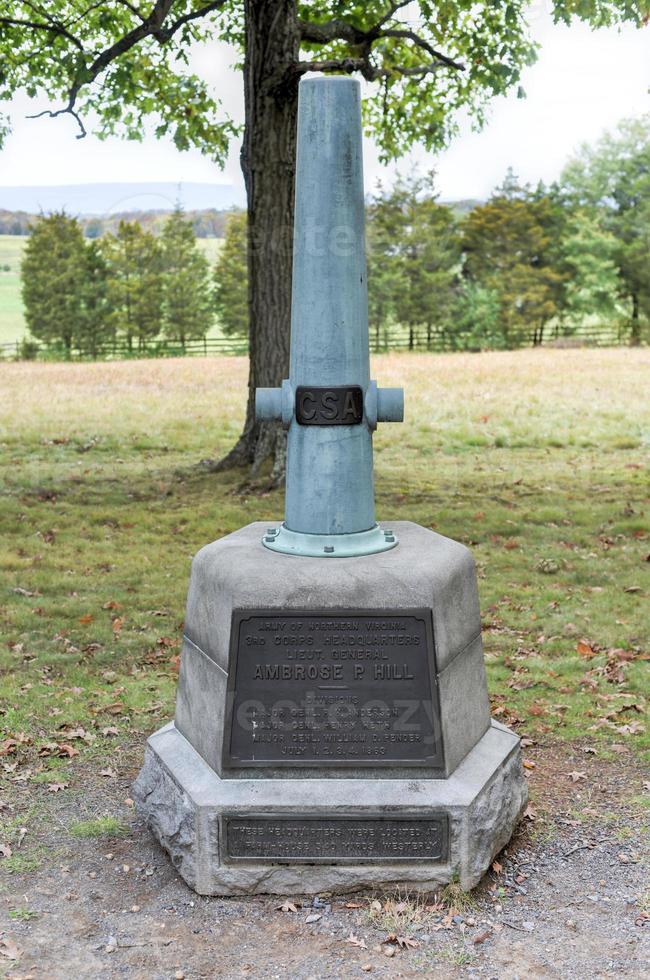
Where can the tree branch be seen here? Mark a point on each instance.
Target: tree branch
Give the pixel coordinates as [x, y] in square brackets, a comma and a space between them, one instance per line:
[339, 30]
[421, 42]
[195, 15]
[69, 110]
[52, 28]
[150, 26]
[369, 71]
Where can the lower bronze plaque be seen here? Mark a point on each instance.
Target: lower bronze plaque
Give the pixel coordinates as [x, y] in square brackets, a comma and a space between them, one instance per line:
[332, 688]
[336, 839]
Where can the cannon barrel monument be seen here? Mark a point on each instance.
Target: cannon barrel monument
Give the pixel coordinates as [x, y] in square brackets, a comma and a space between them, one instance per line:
[332, 727]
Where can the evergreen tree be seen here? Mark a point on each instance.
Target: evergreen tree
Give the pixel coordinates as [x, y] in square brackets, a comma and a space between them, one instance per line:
[134, 287]
[54, 269]
[433, 267]
[96, 327]
[594, 284]
[510, 249]
[414, 258]
[385, 281]
[231, 279]
[479, 319]
[613, 178]
[186, 300]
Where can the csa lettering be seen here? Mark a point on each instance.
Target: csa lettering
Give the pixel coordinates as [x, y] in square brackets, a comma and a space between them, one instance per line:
[329, 406]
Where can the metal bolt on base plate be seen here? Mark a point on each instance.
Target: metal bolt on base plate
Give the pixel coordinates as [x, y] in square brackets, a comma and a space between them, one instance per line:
[370, 542]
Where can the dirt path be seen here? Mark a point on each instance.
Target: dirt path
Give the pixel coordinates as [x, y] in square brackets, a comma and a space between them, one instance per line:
[568, 899]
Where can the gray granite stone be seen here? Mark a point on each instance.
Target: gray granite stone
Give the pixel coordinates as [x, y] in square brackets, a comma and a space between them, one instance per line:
[183, 801]
[464, 703]
[426, 570]
[201, 703]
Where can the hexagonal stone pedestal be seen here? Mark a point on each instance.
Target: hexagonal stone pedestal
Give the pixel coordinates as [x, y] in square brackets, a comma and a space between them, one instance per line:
[332, 724]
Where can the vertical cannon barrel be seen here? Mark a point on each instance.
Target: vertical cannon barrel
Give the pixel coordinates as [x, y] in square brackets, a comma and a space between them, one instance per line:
[329, 467]
[329, 404]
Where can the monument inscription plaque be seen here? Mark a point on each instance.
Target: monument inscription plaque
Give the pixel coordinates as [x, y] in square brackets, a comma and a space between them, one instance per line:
[336, 839]
[332, 688]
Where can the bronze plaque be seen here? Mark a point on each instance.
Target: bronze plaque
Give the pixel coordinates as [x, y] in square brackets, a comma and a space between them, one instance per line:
[331, 688]
[337, 840]
[329, 406]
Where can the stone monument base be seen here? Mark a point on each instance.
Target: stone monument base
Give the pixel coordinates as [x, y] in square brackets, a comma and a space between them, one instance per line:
[213, 827]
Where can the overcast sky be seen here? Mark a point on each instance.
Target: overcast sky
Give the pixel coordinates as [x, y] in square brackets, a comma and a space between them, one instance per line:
[583, 83]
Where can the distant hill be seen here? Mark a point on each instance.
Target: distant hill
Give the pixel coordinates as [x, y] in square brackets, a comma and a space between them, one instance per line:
[463, 207]
[207, 224]
[104, 200]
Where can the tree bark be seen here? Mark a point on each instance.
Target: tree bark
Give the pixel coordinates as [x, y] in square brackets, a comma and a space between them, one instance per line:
[268, 166]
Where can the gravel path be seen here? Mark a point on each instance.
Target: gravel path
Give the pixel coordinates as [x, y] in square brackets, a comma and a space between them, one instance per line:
[567, 899]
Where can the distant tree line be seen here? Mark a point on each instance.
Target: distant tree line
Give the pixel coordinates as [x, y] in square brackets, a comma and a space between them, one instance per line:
[207, 223]
[130, 287]
[526, 263]
[505, 272]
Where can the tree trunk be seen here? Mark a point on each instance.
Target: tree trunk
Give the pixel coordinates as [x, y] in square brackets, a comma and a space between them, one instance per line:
[635, 332]
[268, 165]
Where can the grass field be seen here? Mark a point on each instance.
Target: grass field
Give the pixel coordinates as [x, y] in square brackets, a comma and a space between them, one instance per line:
[12, 321]
[536, 459]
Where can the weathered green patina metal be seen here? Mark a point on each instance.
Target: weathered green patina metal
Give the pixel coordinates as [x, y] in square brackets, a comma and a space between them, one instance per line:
[329, 404]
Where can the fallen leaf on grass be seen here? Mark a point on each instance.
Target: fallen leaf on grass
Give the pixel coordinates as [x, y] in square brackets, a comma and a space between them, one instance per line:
[115, 708]
[56, 787]
[375, 906]
[118, 623]
[111, 604]
[110, 730]
[63, 749]
[529, 764]
[9, 949]
[355, 941]
[72, 733]
[389, 950]
[5, 850]
[353, 905]
[88, 618]
[634, 728]
[530, 813]
[576, 776]
[110, 773]
[632, 588]
[286, 906]
[8, 746]
[497, 868]
[585, 649]
[314, 917]
[482, 938]
[403, 942]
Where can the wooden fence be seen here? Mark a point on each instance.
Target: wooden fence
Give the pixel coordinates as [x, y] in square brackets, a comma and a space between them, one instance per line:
[395, 339]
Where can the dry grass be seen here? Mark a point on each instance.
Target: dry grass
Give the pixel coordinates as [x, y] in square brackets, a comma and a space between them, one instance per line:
[534, 397]
[535, 458]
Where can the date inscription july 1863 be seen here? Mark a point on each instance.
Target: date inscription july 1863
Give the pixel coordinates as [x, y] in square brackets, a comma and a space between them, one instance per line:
[333, 689]
[336, 839]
